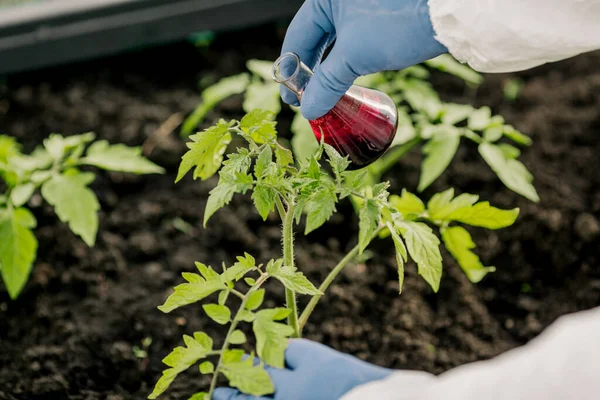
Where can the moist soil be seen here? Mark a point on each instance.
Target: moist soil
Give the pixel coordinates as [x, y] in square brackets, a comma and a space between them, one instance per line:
[81, 327]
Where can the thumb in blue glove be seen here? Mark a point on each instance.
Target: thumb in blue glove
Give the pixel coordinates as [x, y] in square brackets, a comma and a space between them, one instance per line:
[370, 36]
[313, 371]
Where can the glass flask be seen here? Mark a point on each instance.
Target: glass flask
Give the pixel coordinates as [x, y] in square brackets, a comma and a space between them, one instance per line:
[363, 123]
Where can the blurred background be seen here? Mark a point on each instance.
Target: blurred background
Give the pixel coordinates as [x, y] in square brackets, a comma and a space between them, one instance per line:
[86, 325]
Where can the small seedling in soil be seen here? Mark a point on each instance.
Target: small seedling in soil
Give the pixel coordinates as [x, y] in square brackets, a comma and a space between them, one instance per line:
[298, 191]
[54, 169]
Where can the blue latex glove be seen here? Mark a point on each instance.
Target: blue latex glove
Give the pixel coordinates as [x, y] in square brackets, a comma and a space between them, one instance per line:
[370, 36]
[313, 371]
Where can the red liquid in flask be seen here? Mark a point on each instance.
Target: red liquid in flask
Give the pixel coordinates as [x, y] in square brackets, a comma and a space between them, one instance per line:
[362, 125]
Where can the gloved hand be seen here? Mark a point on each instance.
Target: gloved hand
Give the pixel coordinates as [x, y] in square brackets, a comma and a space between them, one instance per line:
[370, 36]
[313, 371]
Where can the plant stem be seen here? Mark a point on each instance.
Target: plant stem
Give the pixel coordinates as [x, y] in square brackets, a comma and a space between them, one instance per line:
[381, 166]
[232, 327]
[280, 208]
[288, 261]
[329, 279]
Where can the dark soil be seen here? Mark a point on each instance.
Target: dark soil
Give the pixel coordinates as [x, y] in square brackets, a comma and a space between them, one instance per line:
[73, 331]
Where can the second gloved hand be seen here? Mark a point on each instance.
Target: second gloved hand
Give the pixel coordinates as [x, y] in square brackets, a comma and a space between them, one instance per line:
[370, 36]
[313, 371]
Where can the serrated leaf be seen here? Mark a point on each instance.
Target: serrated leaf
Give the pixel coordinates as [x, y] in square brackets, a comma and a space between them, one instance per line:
[423, 247]
[511, 172]
[205, 152]
[353, 181]
[263, 161]
[74, 203]
[18, 248]
[58, 146]
[369, 215]
[407, 203]
[264, 200]
[291, 278]
[255, 299]
[484, 215]
[480, 119]
[240, 268]
[180, 359]
[271, 336]
[248, 378]
[237, 337]
[459, 243]
[213, 95]
[337, 162]
[207, 368]
[442, 204]
[283, 156]
[21, 194]
[237, 162]
[218, 313]
[401, 256]
[439, 152]
[258, 124]
[222, 194]
[320, 209]
[304, 143]
[119, 157]
[195, 290]
[262, 95]
[455, 113]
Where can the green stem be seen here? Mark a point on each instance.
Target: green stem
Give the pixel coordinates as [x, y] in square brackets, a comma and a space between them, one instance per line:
[381, 166]
[232, 327]
[288, 260]
[332, 275]
[280, 208]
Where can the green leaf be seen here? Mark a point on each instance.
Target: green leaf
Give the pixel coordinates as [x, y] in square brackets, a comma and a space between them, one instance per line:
[237, 162]
[511, 172]
[459, 243]
[250, 281]
[248, 378]
[197, 288]
[421, 96]
[213, 95]
[222, 194]
[263, 161]
[439, 153]
[338, 163]
[199, 396]
[218, 313]
[407, 203]
[291, 278]
[255, 299]
[261, 68]
[261, 95]
[320, 209]
[259, 125]
[207, 368]
[454, 113]
[264, 200]
[119, 157]
[237, 337]
[423, 247]
[406, 130]
[353, 181]
[9, 146]
[21, 194]
[223, 295]
[369, 215]
[509, 150]
[240, 268]
[516, 136]
[180, 359]
[18, 248]
[443, 204]
[480, 119]
[512, 89]
[74, 203]
[447, 63]
[284, 156]
[485, 216]
[59, 146]
[246, 316]
[205, 152]
[401, 256]
[304, 143]
[272, 336]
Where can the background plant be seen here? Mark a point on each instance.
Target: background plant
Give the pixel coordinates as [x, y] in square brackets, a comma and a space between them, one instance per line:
[297, 189]
[424, 120]
[55, 169]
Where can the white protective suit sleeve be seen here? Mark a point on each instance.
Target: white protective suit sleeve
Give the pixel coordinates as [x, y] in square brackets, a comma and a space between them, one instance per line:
[562, 363]
[514, 35]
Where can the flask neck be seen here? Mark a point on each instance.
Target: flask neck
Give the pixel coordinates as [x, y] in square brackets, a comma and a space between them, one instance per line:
[291, 72]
